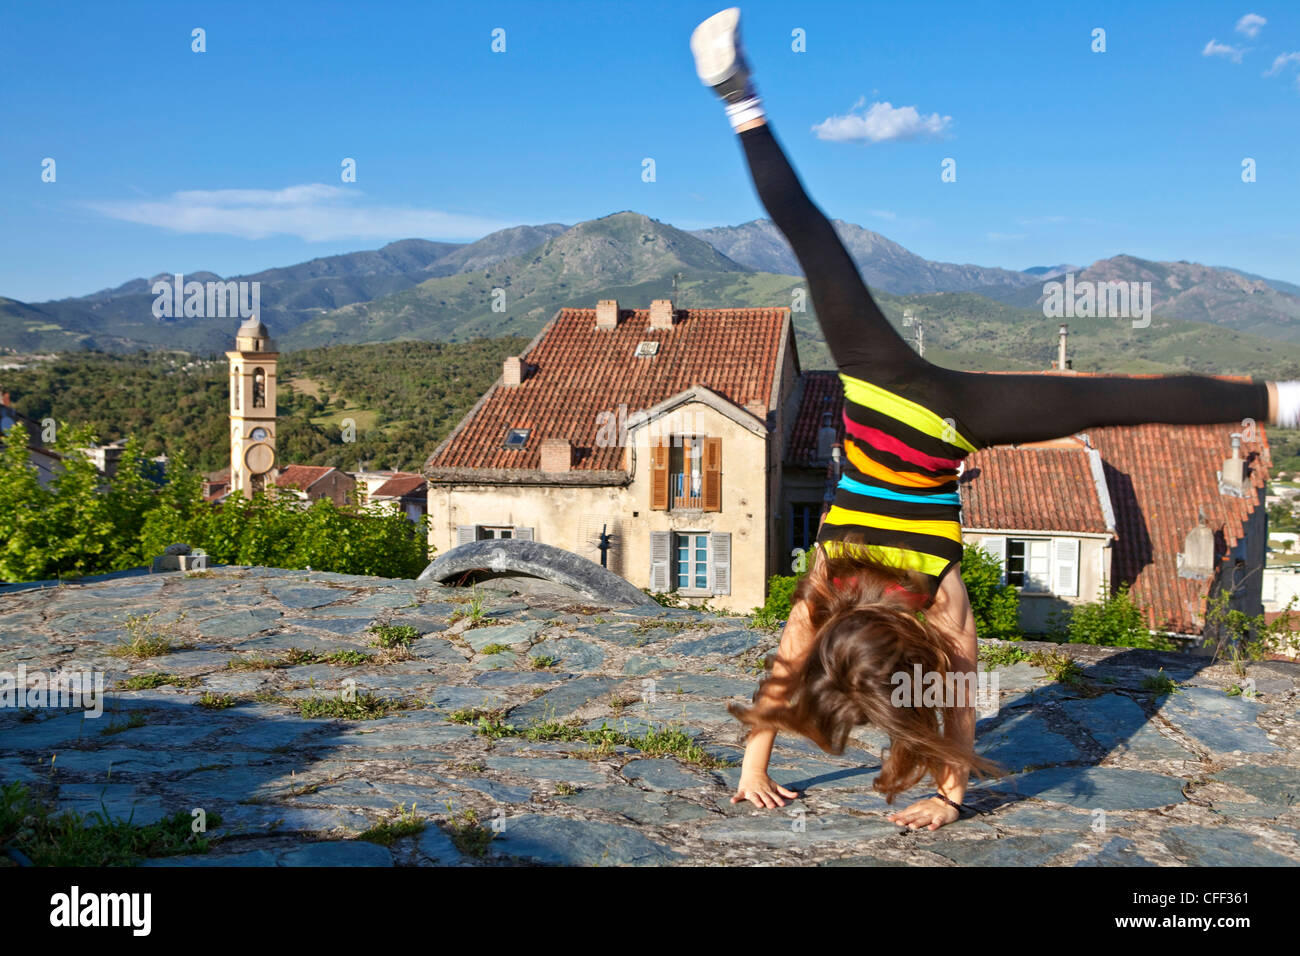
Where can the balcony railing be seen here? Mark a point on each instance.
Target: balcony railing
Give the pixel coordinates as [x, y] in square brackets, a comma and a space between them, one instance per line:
[678, 488]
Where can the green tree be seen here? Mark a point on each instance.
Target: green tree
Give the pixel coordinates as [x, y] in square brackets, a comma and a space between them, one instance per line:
[23, 511]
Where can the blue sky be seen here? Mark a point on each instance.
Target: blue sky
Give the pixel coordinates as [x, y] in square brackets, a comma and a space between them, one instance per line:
[229, 160]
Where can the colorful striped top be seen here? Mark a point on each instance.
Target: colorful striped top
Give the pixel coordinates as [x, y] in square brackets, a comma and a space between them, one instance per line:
[898, 481]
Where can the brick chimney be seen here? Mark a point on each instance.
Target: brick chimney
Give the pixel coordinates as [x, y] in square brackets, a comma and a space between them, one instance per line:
[661, 314]
[556, 455]
[512, 371]
[607, 314]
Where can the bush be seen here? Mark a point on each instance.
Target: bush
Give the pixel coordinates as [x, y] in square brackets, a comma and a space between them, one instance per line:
[1113, 621]
[780, 588]
[83, 525]
[996, 606]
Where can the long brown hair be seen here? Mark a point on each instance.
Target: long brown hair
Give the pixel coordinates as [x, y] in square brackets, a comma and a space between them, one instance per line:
[867, 631]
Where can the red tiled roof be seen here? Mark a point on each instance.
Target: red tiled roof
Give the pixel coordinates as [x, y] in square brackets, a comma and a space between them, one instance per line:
[1046, 487]
[302, 477]
[1159, 475]
[822, 393]
[400, 487]
[579, 371]
[216, 477]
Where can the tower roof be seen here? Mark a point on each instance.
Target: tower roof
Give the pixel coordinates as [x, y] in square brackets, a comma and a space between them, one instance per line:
[253, 329]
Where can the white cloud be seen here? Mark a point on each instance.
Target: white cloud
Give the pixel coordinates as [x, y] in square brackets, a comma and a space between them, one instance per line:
[1251, 24]
[1215, 48]
[881, 123]
[315, 212]
[1281, 61]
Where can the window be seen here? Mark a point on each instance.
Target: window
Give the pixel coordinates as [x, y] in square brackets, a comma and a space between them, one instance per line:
[686, 473]
[691, 561]
[486, 531]
[516, 437]
[1029, 563]
[259, 388]
[804, 521]
[646, 349]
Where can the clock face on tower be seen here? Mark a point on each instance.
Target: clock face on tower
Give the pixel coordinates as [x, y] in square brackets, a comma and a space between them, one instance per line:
[259, 459]
[258, 434]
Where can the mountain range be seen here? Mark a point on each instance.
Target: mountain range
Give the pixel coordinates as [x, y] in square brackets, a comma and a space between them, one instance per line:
[513, 280]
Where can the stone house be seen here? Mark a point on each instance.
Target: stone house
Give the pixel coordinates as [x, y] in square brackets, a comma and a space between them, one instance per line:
[310, 482]
[404, 492]
[648, 440]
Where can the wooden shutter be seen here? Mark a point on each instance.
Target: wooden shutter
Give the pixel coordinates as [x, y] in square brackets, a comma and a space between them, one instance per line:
[524, 534]
[661, 549]
[659, 478]
[1065, 567]
[465, 533]
[719, 561]
[712, 467]
[998, 548]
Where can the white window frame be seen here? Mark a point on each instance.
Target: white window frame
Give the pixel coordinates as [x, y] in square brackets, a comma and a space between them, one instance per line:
[1043, 580]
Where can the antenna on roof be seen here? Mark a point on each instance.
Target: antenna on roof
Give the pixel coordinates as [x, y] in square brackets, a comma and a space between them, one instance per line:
[911, 320]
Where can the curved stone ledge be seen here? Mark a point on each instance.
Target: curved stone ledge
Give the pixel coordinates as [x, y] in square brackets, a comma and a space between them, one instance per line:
[501, 557]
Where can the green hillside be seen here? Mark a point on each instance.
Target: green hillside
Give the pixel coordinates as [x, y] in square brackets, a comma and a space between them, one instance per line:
[625, 256]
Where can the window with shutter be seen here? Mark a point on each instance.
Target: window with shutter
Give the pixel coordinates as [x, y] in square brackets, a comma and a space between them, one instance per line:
[524, 534]
[659, 478]
[661, 544]
[1065, 567]
[465, 533]
[1029, 564]
[720, 562]
[713, 474]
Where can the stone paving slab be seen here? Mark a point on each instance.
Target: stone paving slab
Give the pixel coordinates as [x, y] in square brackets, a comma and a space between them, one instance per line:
[1104, 773]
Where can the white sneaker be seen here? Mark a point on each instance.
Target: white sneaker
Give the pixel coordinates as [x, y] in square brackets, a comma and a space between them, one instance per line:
[719, 58]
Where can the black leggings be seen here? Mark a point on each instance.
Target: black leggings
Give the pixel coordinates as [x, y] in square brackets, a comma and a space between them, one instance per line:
[991, 409]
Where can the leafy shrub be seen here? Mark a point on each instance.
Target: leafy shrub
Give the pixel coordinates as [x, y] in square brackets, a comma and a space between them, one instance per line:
[996, 606]
[1114, 620]
[780, 588]
[83, 524]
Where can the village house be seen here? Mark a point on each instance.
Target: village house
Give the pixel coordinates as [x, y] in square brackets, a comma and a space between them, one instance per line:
[647, 440]
[46, 461]
[1072, 519]
[310, 482]
[1044, 511]
[404, 492]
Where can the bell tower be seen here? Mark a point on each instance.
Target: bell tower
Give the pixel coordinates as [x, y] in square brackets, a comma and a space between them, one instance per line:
[252, 408]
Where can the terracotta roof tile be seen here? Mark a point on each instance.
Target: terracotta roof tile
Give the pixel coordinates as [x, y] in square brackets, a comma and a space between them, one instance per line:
[822, 393]
[400, 486]
[579, 371]
[1046, 487]
[1159, 476]
[302, 477]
